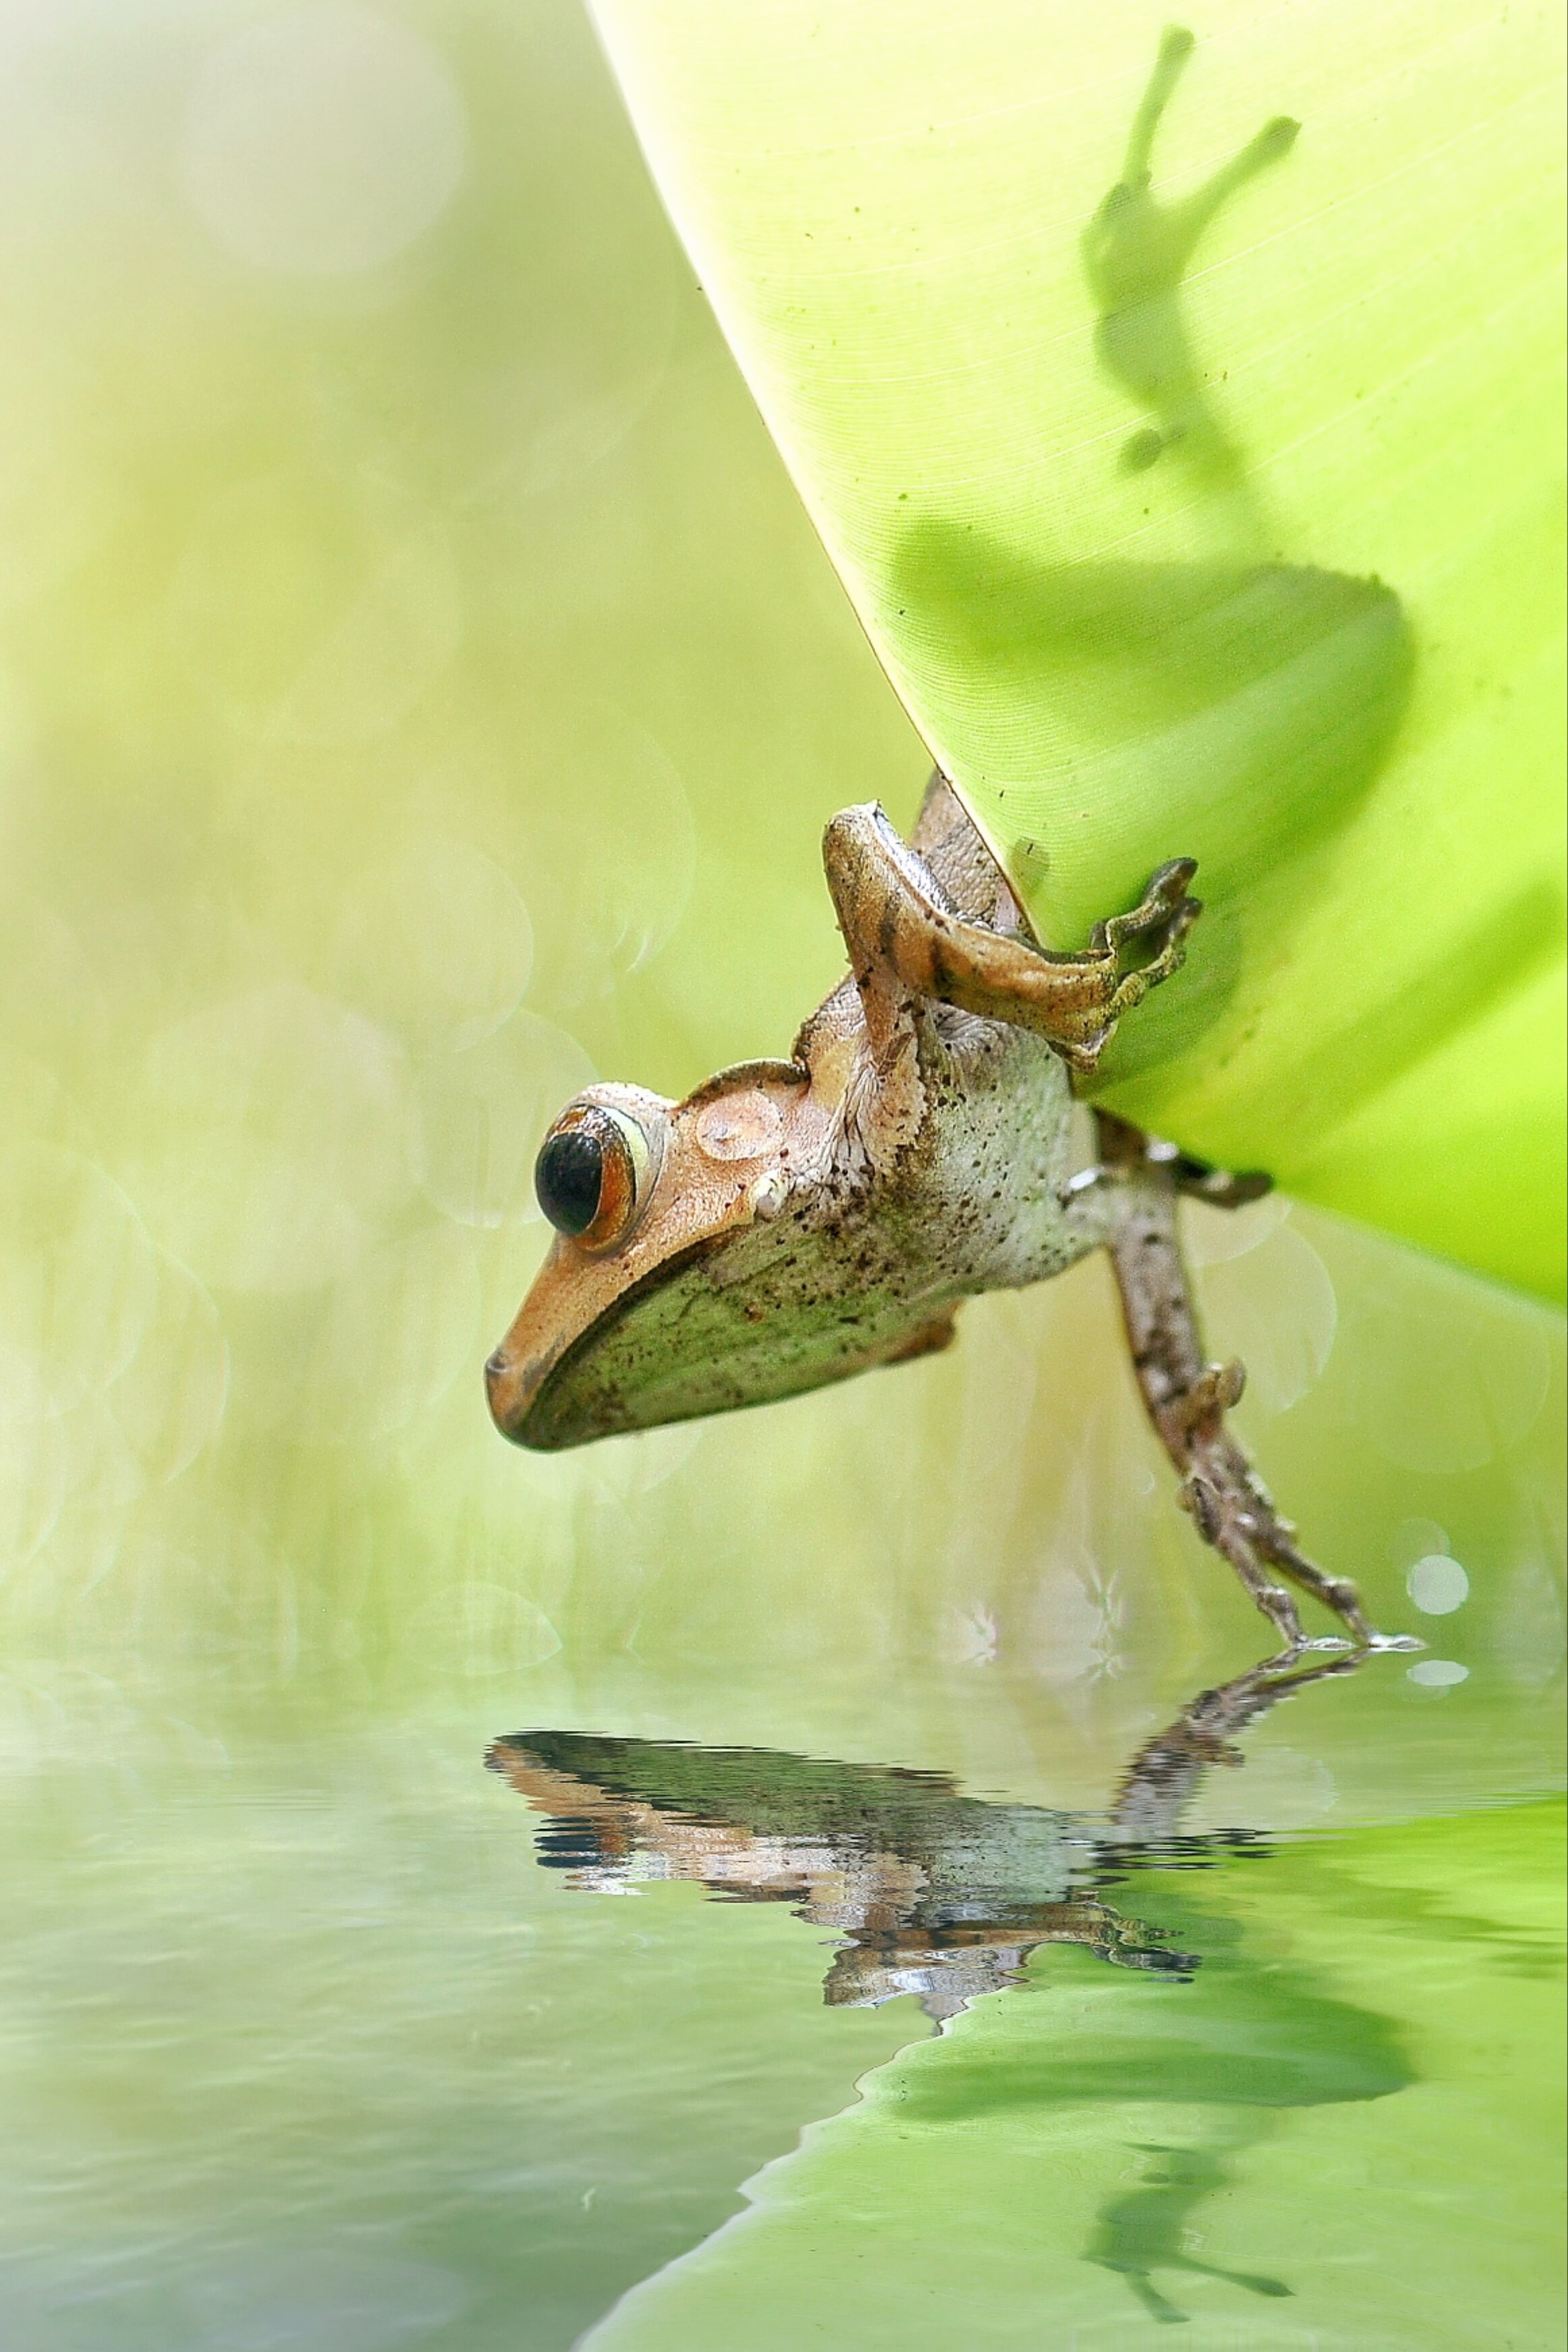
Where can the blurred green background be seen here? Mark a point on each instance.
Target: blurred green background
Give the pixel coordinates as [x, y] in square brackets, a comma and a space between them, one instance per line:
[420, 692]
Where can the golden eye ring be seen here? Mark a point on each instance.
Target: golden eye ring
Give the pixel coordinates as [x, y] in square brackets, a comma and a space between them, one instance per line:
[593, 1174]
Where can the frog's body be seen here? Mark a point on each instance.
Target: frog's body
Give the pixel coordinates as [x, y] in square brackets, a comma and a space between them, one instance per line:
[813, 1218]
[793, 1222]
[862, 1266]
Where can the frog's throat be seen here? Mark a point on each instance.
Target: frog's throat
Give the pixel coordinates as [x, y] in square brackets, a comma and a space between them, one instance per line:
[693, 1337]
[525, 1390]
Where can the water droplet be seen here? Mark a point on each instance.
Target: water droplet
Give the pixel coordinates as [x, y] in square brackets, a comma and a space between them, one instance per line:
[1212, 1236]
[1414, 1538]
[1275, 1308]
[1437, 1674]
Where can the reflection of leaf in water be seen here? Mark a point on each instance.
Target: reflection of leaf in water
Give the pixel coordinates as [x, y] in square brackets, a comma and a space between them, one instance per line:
[1235, 2036]
[1237, 2041]
[945, 1895]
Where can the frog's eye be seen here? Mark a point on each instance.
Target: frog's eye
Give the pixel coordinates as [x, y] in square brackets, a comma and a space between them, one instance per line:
[593, 1174]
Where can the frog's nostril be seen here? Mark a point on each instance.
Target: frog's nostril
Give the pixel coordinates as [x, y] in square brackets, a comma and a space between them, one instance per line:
[495, 1365]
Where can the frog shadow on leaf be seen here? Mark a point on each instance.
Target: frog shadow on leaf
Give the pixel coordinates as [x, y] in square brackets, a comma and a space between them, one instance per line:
[1253, 704]
[1136, 253]
[1252, 701]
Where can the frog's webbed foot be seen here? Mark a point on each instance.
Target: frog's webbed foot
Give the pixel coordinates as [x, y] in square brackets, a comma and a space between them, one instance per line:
[1124, 1146]
[1187, 1399]
[904, 935]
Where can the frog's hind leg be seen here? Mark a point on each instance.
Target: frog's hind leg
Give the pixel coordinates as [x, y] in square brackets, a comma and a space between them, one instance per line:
[1187, 1398]
[902, 931]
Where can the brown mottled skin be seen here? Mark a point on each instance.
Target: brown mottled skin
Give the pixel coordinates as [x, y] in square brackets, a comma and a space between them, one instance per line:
[798, 1221]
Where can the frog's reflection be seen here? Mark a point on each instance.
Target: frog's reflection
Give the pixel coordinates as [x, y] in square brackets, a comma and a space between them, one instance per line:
[933, 1893]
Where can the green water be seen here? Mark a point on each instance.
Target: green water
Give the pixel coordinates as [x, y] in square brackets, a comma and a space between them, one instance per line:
[420, 689]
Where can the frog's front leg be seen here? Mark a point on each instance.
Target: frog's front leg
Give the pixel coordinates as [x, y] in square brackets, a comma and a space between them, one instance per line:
[1187, 1398]
[906, 939]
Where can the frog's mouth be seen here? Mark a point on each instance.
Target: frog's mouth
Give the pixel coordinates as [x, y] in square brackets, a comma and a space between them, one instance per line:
[721, 1327]
[549, 1388]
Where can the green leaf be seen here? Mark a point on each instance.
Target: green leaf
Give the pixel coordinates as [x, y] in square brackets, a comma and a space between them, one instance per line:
[1214, 512]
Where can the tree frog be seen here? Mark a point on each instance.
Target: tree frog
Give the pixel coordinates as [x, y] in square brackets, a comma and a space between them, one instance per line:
[793, 1223]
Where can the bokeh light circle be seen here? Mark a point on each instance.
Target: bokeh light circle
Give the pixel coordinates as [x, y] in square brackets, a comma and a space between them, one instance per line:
[1437, 1585]
[1437, 1674]
[322, 140]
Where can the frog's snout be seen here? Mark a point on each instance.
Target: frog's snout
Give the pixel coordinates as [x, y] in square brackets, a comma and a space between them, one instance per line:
[516, 1376]
[504, 1389]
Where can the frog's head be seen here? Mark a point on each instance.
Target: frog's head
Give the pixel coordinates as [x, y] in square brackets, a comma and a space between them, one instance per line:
[643, 1193]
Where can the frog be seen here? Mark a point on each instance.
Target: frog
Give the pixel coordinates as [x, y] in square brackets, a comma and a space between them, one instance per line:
[793, 1222]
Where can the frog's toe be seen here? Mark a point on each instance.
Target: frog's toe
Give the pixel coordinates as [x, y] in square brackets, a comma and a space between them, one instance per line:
[1141, 450]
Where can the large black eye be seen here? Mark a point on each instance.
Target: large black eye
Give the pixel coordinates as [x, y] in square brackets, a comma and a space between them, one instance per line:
[592, 1174]
[569, 1178]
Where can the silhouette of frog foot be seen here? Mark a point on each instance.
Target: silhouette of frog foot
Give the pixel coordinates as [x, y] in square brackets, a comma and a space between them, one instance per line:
[1254, 2284]
[1136, 249]
[1248, 2279]
[1160, 2306]
[1141, 450]
[1157, 2305]
[1273, 143]
[1176, 46]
